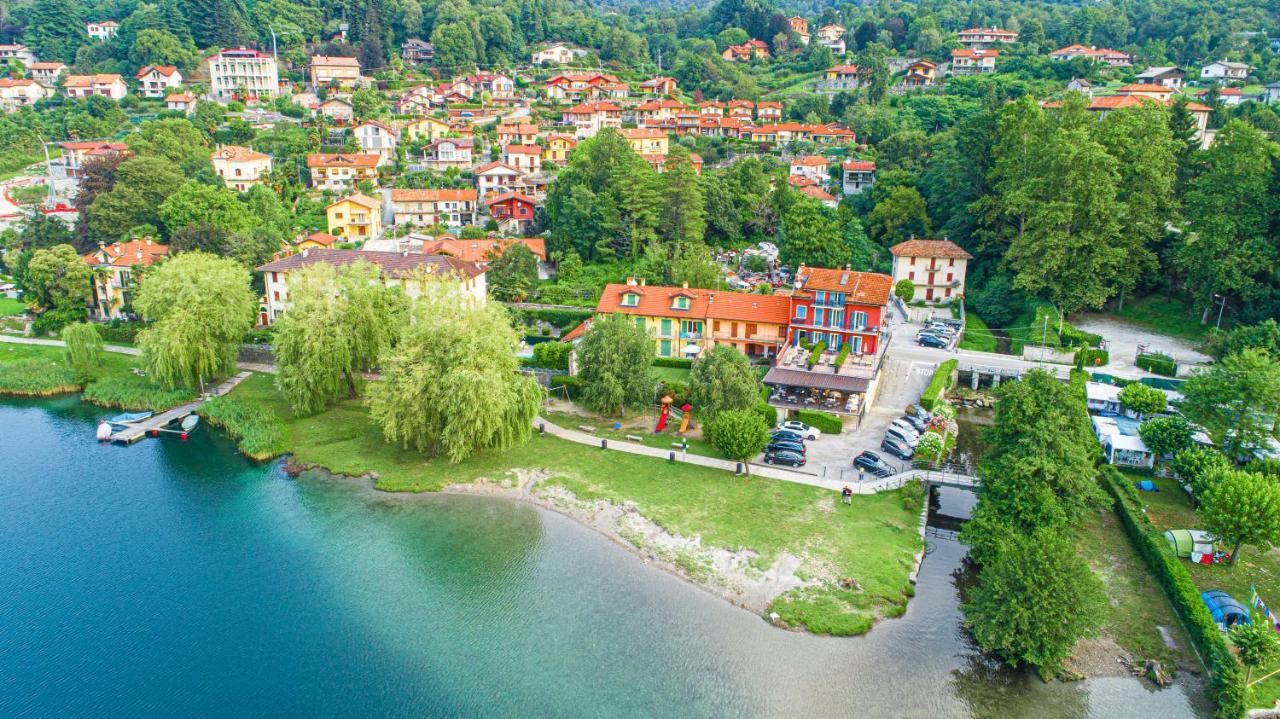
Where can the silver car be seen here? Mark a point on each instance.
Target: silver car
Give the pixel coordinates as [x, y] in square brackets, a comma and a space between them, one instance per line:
[897, 433]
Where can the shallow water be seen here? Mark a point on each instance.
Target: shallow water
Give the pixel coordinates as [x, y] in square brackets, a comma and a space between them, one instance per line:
[178, 579]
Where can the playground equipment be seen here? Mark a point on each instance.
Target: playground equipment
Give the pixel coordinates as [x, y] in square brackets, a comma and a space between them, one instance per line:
[684, 422]
[664, 414]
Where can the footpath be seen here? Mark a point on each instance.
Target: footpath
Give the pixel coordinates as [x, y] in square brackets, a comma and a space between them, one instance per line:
[759, 470]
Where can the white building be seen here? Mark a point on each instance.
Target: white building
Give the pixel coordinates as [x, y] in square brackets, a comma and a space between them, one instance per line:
[240, 167]
[21, 53]
[557, 53]
[158, 80]
[813, 167]
[46, 73]
[1170, 77]
[20, 93]
[423, 208]
[376, 138]
[936, 267]
[1121, 444]
[398, 269]
[106, 85]
[1225, 71]
[858, 176]
[495, 177]
[244, 73]
[102, 30]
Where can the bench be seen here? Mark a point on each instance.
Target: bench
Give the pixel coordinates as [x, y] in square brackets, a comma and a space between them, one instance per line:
[587, 428]
[635, 438]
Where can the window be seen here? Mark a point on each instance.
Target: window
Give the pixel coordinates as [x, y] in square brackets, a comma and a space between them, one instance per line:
[664, 348]
[912, 275]
[630, 299]
[951, 262]
[680, 303]
[949, 277]
[859, 320]
[801, 312]
[818, 315]
[666, 328]
[640, 322]
[913, 262]
[836, 318]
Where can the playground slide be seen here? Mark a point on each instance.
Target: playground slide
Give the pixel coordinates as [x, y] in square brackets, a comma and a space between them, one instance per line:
[662, 417]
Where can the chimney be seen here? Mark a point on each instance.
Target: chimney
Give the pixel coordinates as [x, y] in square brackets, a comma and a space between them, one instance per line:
[631, 281]
[305, 250]
[848, 267]
[684, 285]
[642, 282]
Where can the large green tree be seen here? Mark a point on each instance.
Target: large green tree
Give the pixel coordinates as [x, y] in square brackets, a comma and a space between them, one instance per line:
[1237, 400]
[198, 204]
[141, 185]
[513, 276]
[201, 307]
[451, 385]
[739, 434]
[810, 236]
[55, 29]
[683, 217]
[723, 379]
[339, 322]
[1242, 508]
[613, 365]
[58, 279]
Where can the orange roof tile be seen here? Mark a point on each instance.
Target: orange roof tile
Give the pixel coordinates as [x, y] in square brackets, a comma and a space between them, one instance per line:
[127, 254]
[930, 248]
[439, 195]
[870, 288]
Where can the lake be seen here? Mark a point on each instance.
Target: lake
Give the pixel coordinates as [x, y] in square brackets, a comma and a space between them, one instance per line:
[178, 579]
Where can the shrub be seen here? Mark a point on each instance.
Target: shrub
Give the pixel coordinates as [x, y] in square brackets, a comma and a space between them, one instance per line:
[739, 434]
[905, 290]
[260, 336]
[676, 362]
[768, 413]
[1092, 358]
[121, 331]
[258, 431]
[134, 393]
[913, 496]
[1226, 685]
[679, 391]
[552, 355]
[930, 447]
[815, 352]
[564, 319]
[844, 353]
[1159, 364]
[943, 379]
[821, 421]
[1074, 336]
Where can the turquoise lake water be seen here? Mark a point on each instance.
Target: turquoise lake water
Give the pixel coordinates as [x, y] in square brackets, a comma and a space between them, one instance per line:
[178, 579]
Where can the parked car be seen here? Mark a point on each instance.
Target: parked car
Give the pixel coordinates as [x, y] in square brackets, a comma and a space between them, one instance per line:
[898, 434]
[871, 462]
[782, 446]
[925, 339]
[910, 432]
[916, 423]
[897, 448]
[791, 459]
[940, 328]
[918, 410]
[782, 435]
[800, 428]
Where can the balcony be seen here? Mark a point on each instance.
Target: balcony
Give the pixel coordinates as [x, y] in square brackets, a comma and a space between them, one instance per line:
[856, 364]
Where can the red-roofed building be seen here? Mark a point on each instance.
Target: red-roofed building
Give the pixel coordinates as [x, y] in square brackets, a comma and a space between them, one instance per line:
[812, 168]
[984, 36]
[973, 62]
[482, 252]
[525, 158]
[858, 175]
[659, 86]
[768, 111]
[343, 170]
[521, 133]
[183, 102]
[746, 51]
[117, 267]
[1114, 58]
[590, 118]
[842, 77]
[158, 80]
[322, 240]
[826, 198]
[839, 307]
[936, 267]
[512, 211]
[423, 208]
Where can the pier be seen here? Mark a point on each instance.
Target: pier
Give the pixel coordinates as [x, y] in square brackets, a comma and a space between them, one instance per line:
[131, 433]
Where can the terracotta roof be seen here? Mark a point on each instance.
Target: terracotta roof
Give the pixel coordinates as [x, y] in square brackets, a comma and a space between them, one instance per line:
[46, 66]
[322, 238]
[128, 254]
[180, 97]
[493, 166]
[844, 69]
[440, 195]
[510, 196]
[480, 250]
[656, 301]
[871, 288]
[350, 159]
[810, 161]
[392, 264]
[94, 146]
[236, 153]
[335, 61]
[817, 193]
[858, 166]
[358, 199]
[593, 107]
[642, 133]
[166, 70]
[522, 149]
[765, 309]
[20, 82]
[523, 128]
[576, 332]
[90, 80]
[975, 54]
[768, 103]
[800, 181]
[930, 248]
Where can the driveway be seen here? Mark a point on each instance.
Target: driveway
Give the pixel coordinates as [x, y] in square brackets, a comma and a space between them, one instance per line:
[1123, 339]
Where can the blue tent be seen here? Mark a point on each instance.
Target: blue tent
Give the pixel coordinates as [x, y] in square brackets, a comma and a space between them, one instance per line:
[1226, 611]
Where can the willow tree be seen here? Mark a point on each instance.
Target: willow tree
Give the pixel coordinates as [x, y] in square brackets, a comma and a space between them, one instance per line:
[201, 306]
[83, 353]
[339, 322]
[451, 386]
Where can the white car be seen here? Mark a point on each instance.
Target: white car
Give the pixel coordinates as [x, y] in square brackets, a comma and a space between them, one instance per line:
[911, 432]
[800, 428]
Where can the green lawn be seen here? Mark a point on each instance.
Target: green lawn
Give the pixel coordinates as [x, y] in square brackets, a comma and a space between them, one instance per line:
[1170, 508]
[10, 307]
[39, 370]
[1137, 604]
[1167, 316]
[671, 374]
[636, 427]
[976, 335]
[872, 542]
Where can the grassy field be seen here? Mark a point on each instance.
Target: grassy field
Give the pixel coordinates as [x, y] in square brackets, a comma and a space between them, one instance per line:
[10, 307]
[641, 426]
[976, 335]
[670, 374]
[1137, 605]
[873, 542]
[1170, 508]
[1166, 316]
[39, 371]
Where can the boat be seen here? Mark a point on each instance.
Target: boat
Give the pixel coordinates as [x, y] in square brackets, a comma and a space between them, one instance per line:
[189, 422]
[104, 431]
[130, 417]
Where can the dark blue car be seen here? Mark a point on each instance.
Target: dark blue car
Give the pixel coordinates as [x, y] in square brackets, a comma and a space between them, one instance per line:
[897, 448]
[924, 339]
[784, 446]
[792, 459]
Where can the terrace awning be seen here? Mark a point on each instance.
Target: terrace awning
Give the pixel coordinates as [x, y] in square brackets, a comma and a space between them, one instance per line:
[816, 380]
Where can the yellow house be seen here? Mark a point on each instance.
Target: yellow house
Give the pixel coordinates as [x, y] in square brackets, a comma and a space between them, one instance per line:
[646, 141]
[558, 149]
[421, 127]
[355, 217]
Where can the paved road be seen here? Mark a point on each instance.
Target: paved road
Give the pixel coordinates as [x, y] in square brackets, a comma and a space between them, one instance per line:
[1123, 339]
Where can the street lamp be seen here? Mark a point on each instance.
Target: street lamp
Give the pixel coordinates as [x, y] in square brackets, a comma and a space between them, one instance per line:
[1221, 307]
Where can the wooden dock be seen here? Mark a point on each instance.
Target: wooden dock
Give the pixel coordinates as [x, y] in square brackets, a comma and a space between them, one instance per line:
[133, 432]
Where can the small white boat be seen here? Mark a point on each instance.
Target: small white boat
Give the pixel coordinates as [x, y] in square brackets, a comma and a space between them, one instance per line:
[104, 431]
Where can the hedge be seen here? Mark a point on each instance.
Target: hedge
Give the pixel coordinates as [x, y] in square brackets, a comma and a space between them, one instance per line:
[560, 318]
[1159, 364]
[943, 378]
[1085, 358]
[821, 421]
[677, 362]
[1072, 335]
[844, 354]
[1226, 685]
[768, 413]
[815, 352]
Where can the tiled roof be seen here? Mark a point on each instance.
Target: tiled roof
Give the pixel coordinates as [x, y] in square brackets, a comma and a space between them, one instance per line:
[236, 153]
[810, 161]
[127, 254]
[494, 166]
[518, 196]
[1144, 87]
[440, 195]
[522, 150]
[484, 249]
[90, 80]
[322, 238]
[930, 248]
[642, 133]
[392, 264]
[166, 70]
[870, 288]
[330, 61]
[817, 193]
[858, 166]
[350, 159]
[359, 199]
[703, 304]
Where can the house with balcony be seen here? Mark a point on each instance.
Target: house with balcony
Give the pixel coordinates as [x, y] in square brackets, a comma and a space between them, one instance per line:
[835, 343]
[495, 177]
[518, 133]
[978, 37]
[116, 270]
[108, 85]
[417, 51]
[525, 158]
[21, 93]
[450, 152]
[513, 211]
[812, 168]
[423, 208]
[240, 167]
[859, 175]
[590, 118]
[558, 149]
[660, 85]
[936, 268]
[242, 73]
[421, 127]
[158, 80]
[646, 140]
[355, 218]
[557, 53]
[46, 73]
[19, 52]
[377, 138]
[973, 62]
[338, 109]
[327, 71]
[1168, 76]
[104, 30]
[342, 171]
[1224, 71]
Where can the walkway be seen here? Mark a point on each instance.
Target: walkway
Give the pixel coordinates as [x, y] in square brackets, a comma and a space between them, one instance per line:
[758, 470]
[130, 433]
[122, 349]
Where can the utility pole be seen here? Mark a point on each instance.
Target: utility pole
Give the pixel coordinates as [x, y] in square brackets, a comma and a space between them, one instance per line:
[1221, 307]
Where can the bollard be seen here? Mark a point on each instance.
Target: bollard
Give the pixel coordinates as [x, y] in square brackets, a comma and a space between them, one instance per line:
[542, 428]
[671, 456]
[738, 469]
[604, 444]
